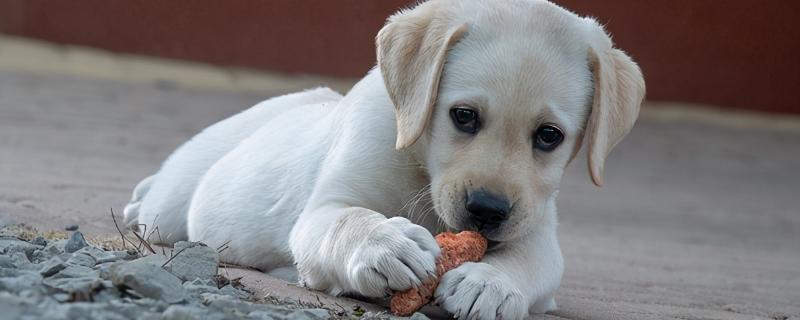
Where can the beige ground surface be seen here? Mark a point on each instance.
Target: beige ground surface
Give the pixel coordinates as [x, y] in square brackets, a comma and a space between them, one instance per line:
[699, 218]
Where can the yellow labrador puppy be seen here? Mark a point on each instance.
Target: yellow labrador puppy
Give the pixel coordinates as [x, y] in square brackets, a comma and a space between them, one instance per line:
[467, 123]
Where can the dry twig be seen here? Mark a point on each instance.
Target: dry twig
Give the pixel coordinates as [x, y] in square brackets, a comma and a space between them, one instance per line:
[121, 234]
[172, 257]
[142, 241]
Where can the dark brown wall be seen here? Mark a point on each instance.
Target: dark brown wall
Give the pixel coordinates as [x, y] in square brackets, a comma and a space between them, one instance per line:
[732, 53]
[288, 35]
[738, 53]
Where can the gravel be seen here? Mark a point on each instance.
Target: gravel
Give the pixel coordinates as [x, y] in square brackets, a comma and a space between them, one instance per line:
[149, 280]
[194, 260]
[75, 242]
[72, 279]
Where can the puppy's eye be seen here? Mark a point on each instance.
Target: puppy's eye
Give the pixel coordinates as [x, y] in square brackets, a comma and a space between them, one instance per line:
[465, 119]
[547, 138]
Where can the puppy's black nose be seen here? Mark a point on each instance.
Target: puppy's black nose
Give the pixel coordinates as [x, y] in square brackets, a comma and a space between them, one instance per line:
[487, 210]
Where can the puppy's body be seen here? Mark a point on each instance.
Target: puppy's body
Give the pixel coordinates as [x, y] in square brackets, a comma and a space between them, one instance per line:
[344, 193]
[168, 197]
[306, 148]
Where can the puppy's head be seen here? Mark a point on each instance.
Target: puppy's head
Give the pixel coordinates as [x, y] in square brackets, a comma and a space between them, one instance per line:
[496, 96]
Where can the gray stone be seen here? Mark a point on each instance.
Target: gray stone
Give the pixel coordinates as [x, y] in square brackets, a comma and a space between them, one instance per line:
[273, 311]
[12, 307]
[55, 247]
[72, 227]
[72, 271]
[104, 270]
[84, 310]
[197, 287]
[419, 316]
[81, 259]
[138, 309]
[202, 282]
[40, 255]
[109, 293]
[226, 304]
[34, 294]
[149, 304]
[260, 315]
[10, 273]
[318, 314]
[39, 241]
[75, 242]
[65, 256]
[149, 280]
[233, 306]
[16, 280]
[126, 255]
[7, 262]
[194, 260]
[99, 255]
[233, 292]
[182, 312]
[80, 289]
[61, 297]
[52, 266]
[9, 245]
[21, 260]
[154, 259]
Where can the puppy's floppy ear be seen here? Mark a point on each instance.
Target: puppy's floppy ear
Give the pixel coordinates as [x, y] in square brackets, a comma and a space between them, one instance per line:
[412, 48]
[618, 93]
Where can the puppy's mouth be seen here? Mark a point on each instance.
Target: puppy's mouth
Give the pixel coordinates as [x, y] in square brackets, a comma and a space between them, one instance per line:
[492, 244]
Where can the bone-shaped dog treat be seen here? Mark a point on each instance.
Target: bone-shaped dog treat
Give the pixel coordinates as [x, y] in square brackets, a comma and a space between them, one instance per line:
[466, 246]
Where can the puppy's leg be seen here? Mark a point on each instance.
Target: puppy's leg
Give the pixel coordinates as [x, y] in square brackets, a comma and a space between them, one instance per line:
[356, 250]
[511, 282]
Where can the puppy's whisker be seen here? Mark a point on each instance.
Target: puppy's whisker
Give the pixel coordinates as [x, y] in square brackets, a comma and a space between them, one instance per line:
[440, 224]
[422, 214]
[414, 203]
[414, 213]
[411, 200]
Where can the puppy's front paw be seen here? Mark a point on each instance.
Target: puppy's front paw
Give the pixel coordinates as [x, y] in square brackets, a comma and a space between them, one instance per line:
[480, 291]
[396, 255]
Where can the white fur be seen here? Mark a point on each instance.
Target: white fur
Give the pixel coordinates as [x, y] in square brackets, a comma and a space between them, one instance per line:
[310, 187]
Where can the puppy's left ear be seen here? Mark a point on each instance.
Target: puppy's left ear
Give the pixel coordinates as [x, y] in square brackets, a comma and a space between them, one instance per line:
[618, 93]
[412, 48]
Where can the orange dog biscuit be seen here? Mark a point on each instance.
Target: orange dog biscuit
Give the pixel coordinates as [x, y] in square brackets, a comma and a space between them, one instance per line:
[466, 246]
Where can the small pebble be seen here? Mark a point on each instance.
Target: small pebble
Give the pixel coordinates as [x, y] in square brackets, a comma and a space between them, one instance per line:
[7, 262]
[81, 259]
[75, 242]
[74, 271]
[72, 227]
[52, 266]
[99, 255]
[320, 314]
[149, 280]
[61, 297]
[39, 241]
[181, 312]
[20, 258]
[194, 260]
[419, 316]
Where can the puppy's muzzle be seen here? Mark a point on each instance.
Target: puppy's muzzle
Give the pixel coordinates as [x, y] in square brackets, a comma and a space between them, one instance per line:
[487, 210]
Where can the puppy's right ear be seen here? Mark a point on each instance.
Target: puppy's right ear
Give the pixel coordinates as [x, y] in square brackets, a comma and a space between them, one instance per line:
[412, 47]
[618, 93]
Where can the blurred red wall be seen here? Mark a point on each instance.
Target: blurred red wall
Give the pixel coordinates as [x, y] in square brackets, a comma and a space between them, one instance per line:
[731, 53]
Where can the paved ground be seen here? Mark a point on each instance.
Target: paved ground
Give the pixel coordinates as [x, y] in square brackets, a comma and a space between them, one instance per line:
[698, 219]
